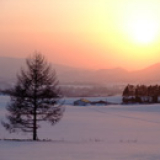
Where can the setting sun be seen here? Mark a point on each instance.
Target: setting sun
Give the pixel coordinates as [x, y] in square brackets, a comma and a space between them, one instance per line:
[143, 26]
[144, 30]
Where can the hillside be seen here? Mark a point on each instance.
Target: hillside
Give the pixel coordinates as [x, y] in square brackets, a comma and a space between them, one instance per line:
[9, 67]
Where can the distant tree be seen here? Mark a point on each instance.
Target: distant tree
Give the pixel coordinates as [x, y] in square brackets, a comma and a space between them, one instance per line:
[137, 95]
[34, 98]
[125, 94]
[126, 91]
[156, 92]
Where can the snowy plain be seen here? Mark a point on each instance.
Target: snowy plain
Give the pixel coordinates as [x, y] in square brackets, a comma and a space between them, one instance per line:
[112, 132]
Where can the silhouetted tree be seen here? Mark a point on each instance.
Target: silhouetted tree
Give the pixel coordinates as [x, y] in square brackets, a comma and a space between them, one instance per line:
[35, 97]
[137, 95]
[126, 91]
[125, 94]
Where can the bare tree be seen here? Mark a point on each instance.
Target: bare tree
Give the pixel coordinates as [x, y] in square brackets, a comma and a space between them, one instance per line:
[35, 97]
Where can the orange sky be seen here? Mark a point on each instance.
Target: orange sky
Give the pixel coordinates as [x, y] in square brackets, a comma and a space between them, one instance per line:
[83, 33]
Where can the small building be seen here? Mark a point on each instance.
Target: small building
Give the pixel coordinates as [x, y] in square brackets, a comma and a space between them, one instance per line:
[82, 102]
[99, 103]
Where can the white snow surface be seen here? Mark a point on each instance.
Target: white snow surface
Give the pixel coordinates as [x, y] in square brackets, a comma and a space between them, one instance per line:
[112, 132]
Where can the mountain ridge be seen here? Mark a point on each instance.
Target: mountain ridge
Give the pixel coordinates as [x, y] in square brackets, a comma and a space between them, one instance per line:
[10, 66]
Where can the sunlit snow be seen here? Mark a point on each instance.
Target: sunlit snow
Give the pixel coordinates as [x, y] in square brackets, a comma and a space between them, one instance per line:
[112, 132]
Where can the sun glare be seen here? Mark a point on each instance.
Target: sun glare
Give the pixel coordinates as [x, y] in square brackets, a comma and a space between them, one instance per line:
[143, 27]
[144, 30]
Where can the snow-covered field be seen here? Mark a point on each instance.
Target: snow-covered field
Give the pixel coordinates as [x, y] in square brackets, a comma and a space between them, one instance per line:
[113, 132]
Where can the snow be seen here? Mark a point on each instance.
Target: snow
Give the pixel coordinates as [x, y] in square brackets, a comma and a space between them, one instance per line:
[112, 132]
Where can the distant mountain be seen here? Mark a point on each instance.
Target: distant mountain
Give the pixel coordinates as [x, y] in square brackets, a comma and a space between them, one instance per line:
[9, 67]
[149, 75]
[110, 75]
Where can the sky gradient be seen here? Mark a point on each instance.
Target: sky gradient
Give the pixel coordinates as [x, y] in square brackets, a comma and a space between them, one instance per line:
[83, 33]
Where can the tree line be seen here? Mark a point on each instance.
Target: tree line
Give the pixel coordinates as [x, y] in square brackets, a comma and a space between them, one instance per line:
[141, 94]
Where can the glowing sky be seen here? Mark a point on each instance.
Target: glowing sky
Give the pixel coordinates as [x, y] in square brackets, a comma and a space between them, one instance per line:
[83, 33]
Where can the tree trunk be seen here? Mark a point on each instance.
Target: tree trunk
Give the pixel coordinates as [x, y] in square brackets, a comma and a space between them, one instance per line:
[35, 105]
[35, 126]
[35, 121]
